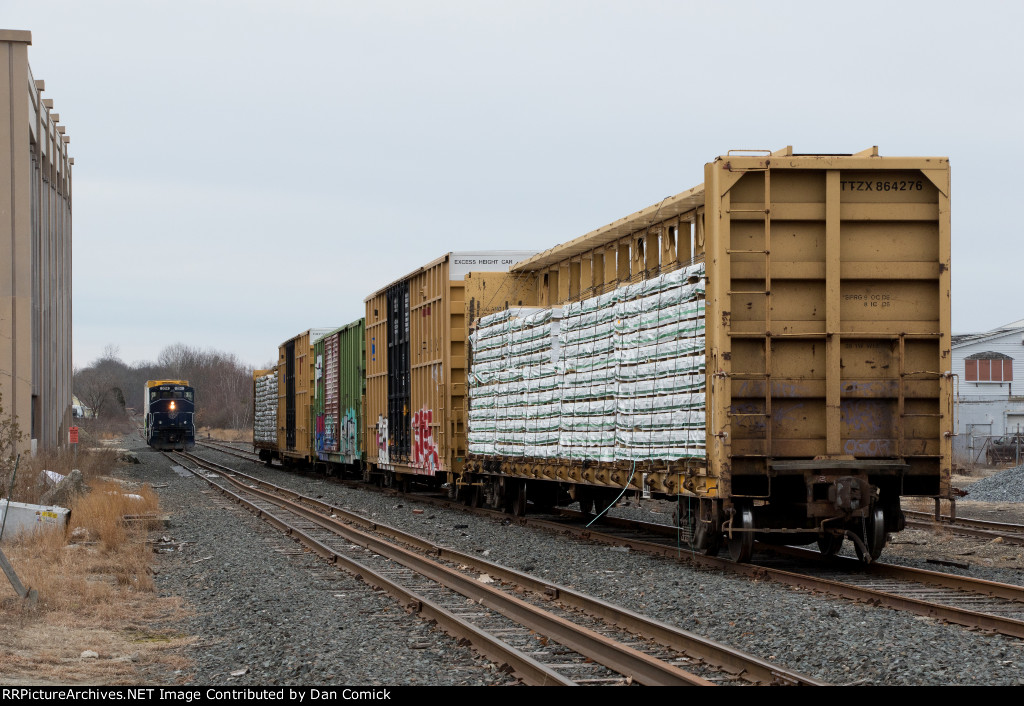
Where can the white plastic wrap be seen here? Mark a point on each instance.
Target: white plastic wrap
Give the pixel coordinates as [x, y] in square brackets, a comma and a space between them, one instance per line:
[619, 376]
[264, 427]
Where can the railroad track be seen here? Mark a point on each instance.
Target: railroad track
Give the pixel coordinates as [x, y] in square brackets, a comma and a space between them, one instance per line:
[961, 600]
[228, 448]
[981, 529]
[955, 599]
[547, 634]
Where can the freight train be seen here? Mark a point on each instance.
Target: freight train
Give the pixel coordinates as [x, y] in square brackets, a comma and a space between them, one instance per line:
[770, 350]
[169, 408]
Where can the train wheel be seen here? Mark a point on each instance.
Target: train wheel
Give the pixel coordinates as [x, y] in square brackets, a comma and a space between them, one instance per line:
[474, 496]
[741, 544]
[830, 544]
[872, 533]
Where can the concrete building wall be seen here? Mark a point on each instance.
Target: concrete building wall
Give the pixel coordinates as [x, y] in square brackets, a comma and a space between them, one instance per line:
[35, 251]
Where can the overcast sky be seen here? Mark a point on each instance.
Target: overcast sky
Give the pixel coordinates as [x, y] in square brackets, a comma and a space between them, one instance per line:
[247, 170]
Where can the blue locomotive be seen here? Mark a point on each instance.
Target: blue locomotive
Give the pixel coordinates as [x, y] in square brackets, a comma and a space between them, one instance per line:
[170, 414]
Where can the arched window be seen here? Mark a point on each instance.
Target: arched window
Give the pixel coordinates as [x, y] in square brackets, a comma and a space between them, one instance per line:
[988, 367]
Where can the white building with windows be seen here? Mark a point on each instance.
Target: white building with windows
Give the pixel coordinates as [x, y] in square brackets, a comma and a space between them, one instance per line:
[986, 405]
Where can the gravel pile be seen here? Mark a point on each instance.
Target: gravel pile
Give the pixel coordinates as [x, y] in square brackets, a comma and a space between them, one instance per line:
[325, 628]
[1006, 486]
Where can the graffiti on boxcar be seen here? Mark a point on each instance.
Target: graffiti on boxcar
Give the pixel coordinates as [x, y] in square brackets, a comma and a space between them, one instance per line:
[424, 446]
[868, 447]
[347, 433]
[330, 433]
[320, 435]
[866, 416]
[327, 430]
[871, 388]
[382, 440]
[747, 417]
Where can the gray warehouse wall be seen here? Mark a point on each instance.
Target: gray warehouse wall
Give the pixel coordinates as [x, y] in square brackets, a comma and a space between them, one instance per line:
[35, 251]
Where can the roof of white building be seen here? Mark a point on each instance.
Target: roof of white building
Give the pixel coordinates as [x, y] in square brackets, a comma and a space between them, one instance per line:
[962, 339]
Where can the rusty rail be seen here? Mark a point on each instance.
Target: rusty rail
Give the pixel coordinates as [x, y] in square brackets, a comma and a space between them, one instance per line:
[632, 663]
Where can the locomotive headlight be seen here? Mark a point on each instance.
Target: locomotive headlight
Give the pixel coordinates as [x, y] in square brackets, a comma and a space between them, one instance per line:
[172, 405]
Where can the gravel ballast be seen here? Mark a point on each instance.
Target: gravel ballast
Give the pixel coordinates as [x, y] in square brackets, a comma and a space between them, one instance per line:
[1004, 486]
[257, 622]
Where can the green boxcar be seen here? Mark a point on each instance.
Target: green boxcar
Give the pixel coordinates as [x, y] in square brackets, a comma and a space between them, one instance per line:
[340, 359]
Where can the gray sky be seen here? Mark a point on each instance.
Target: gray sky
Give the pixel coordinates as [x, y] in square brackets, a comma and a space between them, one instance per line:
[247, 170]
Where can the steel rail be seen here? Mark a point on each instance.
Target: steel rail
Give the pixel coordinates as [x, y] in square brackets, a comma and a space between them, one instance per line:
[239, 453]
[528, 669]
[713, 653]
[1007, 626]
[1005, 591]
[982, 529]
[951, 614]
[616, 656]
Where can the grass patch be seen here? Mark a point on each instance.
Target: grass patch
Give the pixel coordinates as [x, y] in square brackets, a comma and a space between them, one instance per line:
[95, 585]
[223, 434]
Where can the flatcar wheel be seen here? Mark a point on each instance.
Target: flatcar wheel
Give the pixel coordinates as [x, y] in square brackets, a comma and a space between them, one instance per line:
[873, 535]
[830, 544]
[741, 544]
[474, 496]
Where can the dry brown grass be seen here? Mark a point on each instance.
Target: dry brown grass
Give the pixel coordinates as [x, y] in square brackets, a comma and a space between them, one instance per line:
[224, 434]
[29, 484]
[96, 592]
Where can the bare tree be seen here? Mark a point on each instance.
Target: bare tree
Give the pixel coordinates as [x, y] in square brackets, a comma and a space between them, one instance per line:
[10, 441]
[102, 385]
[223, 383]
[92, 386]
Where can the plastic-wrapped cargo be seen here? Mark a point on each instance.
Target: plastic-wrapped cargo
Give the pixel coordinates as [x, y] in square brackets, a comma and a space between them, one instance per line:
[801, 385]
[622, 377]
[513, 407]
[264, 425]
